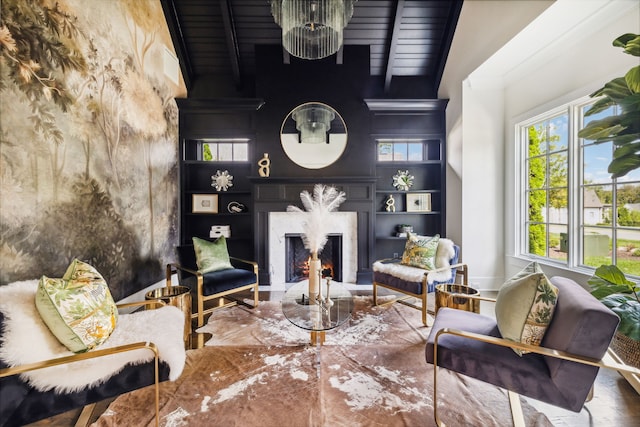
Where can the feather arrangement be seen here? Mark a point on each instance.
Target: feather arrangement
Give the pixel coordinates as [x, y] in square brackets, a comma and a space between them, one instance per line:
[318, 207]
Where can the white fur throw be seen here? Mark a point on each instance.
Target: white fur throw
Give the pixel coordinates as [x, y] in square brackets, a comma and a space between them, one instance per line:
[27, 339]
[444, 253]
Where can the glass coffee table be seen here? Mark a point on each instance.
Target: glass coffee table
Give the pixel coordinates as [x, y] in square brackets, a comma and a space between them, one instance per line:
[317, 316]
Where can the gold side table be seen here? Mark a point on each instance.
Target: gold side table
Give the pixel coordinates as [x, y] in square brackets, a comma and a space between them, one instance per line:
[177, 296]
[452, 296]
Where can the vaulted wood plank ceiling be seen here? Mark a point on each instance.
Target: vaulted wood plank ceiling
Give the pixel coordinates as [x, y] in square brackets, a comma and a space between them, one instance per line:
[406, 38]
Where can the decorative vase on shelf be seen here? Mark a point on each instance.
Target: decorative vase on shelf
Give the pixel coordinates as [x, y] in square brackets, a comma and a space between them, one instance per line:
[264, 164]
[405, 228]
[390, 204]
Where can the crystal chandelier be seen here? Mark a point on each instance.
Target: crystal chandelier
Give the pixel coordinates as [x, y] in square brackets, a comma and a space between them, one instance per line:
[312, 29]
[313, 121]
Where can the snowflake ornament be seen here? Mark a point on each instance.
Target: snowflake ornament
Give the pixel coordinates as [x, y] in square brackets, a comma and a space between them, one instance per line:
[222, 180]
[403, 181]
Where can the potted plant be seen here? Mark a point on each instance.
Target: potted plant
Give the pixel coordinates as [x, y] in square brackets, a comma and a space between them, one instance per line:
[622, 129]
[404, 228]
[613, 289]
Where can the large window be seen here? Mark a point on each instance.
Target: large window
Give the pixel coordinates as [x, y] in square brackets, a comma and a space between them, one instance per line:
[572, 211]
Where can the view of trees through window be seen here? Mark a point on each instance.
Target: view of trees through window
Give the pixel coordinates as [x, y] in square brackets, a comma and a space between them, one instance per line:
[547, 187]
[569, 191]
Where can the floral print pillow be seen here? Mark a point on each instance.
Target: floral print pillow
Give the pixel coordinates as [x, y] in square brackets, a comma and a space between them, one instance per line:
[525, 305]
[420, 251]
[78, 308]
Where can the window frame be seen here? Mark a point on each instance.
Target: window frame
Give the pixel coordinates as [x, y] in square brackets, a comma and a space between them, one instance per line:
[231, 141]
[522, 223]
[576, 186]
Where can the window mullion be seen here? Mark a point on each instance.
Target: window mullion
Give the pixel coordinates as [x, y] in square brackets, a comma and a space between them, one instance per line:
[575, 190]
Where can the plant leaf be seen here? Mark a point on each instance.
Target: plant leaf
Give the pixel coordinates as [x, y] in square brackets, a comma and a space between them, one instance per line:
[613, 274]
[622, 129]
[616, 89]
[629, 42]
[598, 106]
[601, 128]
[624, 140]
[631, 104]
[626, 149]
[628, 310]
[624, 164]
[632, 79]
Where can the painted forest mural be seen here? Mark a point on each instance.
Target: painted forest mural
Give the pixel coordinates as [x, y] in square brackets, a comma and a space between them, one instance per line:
[88, 140]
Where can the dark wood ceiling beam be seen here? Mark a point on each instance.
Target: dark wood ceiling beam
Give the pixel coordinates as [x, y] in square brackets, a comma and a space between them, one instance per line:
[232, 41]
[177, 37]
[447, 39]
[393, 45]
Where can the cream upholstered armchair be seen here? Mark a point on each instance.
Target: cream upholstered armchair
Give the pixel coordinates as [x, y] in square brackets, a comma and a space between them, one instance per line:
[416, 282]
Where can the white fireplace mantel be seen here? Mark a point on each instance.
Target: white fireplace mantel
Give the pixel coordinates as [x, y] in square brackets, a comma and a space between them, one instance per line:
[281, 223]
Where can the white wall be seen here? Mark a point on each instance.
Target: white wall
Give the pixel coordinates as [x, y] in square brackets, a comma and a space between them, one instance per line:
[482, 189]
[563, 51]
[483, 28]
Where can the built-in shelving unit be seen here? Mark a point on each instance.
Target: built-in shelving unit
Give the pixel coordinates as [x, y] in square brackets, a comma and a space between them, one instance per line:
[212, 122]
[397, 125]
[197, 182]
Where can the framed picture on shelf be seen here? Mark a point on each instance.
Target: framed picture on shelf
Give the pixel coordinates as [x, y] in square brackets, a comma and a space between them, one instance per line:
[419, 202]
[204, 203]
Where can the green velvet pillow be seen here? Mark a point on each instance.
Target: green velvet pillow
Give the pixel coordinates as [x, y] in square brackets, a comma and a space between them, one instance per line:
[78, 309]
[525, 305]
[211, 256]
[420, 251]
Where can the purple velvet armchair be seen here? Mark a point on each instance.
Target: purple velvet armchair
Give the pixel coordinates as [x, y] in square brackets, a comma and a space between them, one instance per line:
[560, 372]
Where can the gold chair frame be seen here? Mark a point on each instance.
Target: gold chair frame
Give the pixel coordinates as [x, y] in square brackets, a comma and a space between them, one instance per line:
[20, 369]
[201, 298]
[514, 398]
[461, 270]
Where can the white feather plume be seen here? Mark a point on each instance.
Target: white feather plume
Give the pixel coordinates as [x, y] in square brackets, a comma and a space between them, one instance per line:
[318, 207]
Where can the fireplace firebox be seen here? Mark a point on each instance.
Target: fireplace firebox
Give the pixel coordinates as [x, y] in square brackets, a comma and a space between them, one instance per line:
[297, 258]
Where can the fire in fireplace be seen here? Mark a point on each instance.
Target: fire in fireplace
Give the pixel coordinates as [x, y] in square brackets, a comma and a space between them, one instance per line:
[297, 258]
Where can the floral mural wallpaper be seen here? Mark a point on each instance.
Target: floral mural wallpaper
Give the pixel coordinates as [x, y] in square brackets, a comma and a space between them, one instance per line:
[88, 140]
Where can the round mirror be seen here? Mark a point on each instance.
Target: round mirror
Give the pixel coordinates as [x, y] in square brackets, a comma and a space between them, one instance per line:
[313, 135]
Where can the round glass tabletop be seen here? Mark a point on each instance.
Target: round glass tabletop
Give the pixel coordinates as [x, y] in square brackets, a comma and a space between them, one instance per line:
[317, 315]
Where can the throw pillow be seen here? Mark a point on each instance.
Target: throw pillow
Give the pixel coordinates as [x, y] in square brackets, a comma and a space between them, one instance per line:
[78, 309]
[525, 305]
[80, 270]
[211, 256]
[420, 251]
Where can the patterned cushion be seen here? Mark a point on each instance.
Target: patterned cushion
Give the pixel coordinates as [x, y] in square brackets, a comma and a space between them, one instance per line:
[525, 305]
[211, 256]
[420, 251]
[78, 309]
